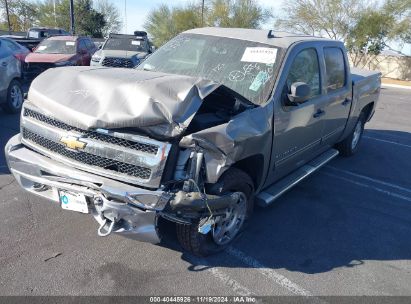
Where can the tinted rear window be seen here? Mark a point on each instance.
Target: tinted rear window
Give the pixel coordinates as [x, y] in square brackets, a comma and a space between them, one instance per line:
[335, 68]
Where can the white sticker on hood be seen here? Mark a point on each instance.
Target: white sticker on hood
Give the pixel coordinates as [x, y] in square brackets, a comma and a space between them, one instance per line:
[260, 54]
[70, 43]
[135, 42]
[42, 47]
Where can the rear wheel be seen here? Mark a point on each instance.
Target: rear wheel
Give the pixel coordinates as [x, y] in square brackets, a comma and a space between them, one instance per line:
[350, 145]
[14, 99]
[227, 226]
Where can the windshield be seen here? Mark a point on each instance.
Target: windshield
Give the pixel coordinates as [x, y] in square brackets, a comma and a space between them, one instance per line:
[244, 66]
[125, 44]
[56, 47]
[37, 34]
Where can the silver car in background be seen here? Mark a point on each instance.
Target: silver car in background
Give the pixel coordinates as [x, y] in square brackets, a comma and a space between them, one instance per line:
[11, 92]
[123, 51]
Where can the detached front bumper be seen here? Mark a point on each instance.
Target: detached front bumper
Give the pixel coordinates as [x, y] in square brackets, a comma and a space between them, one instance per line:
[126, 209]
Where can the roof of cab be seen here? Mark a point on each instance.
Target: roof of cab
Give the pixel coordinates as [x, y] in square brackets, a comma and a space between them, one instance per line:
[280, 39]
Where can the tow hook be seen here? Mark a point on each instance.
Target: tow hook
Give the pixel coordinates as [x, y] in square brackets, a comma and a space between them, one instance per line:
[108, 230]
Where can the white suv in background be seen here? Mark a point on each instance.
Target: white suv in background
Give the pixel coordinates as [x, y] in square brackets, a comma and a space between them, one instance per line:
[11, 92]
[123, 51]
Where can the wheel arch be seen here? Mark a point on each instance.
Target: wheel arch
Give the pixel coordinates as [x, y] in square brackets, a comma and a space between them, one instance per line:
[368, 110]
[253, 166]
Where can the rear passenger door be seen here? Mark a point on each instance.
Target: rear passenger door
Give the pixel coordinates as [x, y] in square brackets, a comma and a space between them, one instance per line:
[338, 92]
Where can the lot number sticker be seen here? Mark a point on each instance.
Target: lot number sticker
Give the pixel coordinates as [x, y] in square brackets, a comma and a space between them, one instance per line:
[135, 42]
[70, 43]
[260, 55]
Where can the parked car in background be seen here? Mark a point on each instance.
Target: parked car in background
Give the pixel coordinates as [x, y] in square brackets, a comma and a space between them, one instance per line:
[123, 51]
[11, 93]
[37, 34]
[19, 51]
[59, 51]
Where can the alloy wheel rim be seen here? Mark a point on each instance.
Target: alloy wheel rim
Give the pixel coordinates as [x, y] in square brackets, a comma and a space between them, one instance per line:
[227, 226]
[357, 135]
[16, 96]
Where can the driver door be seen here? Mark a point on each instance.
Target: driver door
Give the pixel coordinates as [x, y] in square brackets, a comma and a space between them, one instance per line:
[297, 128]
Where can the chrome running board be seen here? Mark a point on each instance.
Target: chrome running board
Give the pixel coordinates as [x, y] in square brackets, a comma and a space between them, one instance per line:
[270, 194]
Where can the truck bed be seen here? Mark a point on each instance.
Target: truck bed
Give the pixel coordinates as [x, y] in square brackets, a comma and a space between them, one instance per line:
[365, 85]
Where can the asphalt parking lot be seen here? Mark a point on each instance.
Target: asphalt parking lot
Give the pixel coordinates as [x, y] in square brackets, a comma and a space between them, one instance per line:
[344, 231]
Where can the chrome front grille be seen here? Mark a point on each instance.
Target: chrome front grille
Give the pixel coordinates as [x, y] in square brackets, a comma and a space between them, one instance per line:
[122, 156]
[152, 149]
[118, 62]
[86, 158]
[50, 121]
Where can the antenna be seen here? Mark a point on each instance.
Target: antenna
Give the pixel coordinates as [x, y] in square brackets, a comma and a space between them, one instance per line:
[270, 34]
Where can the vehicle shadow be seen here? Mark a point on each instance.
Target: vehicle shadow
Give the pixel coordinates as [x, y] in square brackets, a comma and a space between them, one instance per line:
[9, 126]
[323, 223]
[326, 223]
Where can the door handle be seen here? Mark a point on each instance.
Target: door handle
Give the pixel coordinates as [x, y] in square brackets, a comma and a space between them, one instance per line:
[346, 101]
[319, 113]
[4, 64]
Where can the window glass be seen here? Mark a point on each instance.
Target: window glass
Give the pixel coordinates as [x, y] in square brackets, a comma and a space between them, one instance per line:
[11, 45]
[125, 44]
[305, 68]
[53, 32]
[82, 46]
[246, 67]
[56, 47]
[91, 44]
[335, 68]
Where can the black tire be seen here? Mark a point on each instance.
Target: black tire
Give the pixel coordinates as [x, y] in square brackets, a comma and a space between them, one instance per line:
[233, 180]
[349, 146]
[13, 105]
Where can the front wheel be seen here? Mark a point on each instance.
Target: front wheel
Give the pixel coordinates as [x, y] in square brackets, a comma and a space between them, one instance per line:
[14, 99]
[227, 226]
[350, 145]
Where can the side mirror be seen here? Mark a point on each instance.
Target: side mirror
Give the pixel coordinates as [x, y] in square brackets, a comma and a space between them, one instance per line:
[300, 92]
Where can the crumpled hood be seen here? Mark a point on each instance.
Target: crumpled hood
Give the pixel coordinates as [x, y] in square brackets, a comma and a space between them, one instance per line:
[85, 97]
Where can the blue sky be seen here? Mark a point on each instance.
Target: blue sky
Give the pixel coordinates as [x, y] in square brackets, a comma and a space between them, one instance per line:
[137, 10]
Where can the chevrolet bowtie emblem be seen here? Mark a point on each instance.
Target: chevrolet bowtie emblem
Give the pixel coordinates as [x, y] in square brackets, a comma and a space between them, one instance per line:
[73, 143]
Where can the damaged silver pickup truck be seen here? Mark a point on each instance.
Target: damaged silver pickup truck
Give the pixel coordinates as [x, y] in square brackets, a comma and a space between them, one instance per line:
[211, 123]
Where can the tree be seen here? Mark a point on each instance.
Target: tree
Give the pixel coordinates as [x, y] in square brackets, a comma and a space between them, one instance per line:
[111, 16]
[22, 14]
[87, 20]
[367, 28]
[237, 13]
[369, 36]
[328, 18]
[165, 22]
